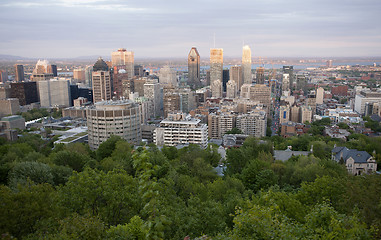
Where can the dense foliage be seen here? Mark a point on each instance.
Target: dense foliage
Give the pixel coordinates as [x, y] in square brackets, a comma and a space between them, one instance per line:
[123, 192]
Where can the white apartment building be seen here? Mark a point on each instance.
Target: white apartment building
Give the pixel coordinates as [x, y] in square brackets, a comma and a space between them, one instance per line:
[180, 129]
[253, 123]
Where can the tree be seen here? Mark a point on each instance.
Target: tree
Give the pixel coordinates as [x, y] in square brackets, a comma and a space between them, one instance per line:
[34, 171]
[106, 148]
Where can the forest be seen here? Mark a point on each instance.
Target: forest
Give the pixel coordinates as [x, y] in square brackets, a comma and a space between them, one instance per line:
[121, 191]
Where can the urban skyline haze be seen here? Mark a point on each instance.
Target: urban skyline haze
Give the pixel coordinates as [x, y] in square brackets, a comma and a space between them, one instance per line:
[72, 28]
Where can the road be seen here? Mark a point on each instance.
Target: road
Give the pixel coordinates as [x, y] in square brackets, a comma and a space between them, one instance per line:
[275, 120]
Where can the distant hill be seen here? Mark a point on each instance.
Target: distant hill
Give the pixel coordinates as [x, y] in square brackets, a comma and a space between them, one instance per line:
[14, 58]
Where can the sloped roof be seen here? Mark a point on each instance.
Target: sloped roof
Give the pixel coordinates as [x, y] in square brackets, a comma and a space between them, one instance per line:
[284, 155]
[358, 156]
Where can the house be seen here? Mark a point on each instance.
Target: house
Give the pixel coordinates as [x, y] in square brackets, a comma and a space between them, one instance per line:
[357, 162]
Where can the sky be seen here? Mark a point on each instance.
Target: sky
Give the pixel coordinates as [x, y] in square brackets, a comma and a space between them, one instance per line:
[169, 28]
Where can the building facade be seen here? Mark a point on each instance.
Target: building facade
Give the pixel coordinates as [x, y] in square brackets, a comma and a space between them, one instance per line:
[246, 65]
[194, 68]
[216, 69]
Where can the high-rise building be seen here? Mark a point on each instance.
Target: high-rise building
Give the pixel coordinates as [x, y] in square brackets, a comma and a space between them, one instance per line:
[305, 114]
[9, 106]
[79, 75]
[301, 83]
[167, 76]
[246, 65]
[120, 76]
[26, 92]
[329, 63]
[53, 70]
[219, 124]
[231, 89]
[19, 73]
[180, 129]
[119, 118]
[124, 57]
[194, 68]
[260, 75]
[284, 114]
[54, 93]
[89, 76]
[290, 71]
[152, 91]
[253, 123]
[216, 70]
[43, 71]
[295, 114]
[366, 97]
[101, 81]
[286, 82]
[225, 79]
[236, 75]
[139, 71]
[3, 76]
[171, 103]
[319, 95]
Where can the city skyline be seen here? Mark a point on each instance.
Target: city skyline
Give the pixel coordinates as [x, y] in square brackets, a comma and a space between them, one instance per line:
[68, 28]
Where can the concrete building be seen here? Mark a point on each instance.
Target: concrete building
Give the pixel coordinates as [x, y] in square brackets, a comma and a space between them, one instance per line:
[286, 82]
[290, 71]
[79, 75]
[231, 89]
[284, 114]
[126, 58]
[139, 71]
[54, 93]
[260, 75]
[120, 118]
[236, 76]
[319, 95]
[366, 96]
[153, 91]
[194, 68]
[295, 114]
[42, 72]
[9, 126]
[19, 73]
[301, 83]
[171, 103]
[246, 65]
[89, 76]
[219, 123]
[26, 92]
[9, 106]
[305, 114]
[253, 123]
[167, 76]
[181, 129]
[216, 69]
[101, 81]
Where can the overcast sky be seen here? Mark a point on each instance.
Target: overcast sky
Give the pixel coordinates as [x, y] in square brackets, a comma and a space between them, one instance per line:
[169, 28]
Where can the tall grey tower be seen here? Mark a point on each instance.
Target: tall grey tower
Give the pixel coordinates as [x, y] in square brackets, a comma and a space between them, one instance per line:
[216, 68]
[194, 68]
[19, 73]
[246, 64]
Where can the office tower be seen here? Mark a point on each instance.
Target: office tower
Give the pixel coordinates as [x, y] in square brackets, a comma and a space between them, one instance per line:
[107, 118]
[286, 82]
[187, 100]
[120, 76]
[89, 76]
[42, 71]
[231, 89]
[207, 77]
[138, 71]
[236, 75]
[246, 65]
[54, 93]
[124, 57]
[219, 123]
[253, 123]
[290, 71]
[53, 70]
[301, 83]
[179, 129]
[225, 79]
[3, 76]
[216, 70]
[167, 76]
[329, 63]
[260, 75]
[171, 103]
[79, 75]
[9, 106]
[101, 81]
[152, 91]
[262, 94]
[26, 92]
[319, 95]
[19, 73]
[194, 68]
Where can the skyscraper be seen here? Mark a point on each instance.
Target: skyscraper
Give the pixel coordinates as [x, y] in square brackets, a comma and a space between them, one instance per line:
[260, 75]
[19, 73]
[246, 64]
[290, 71]
[124, 57]
[101, 81]
[167, 76]
[301, 83]
[216, 69]
[236, 75]
[194, 68]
